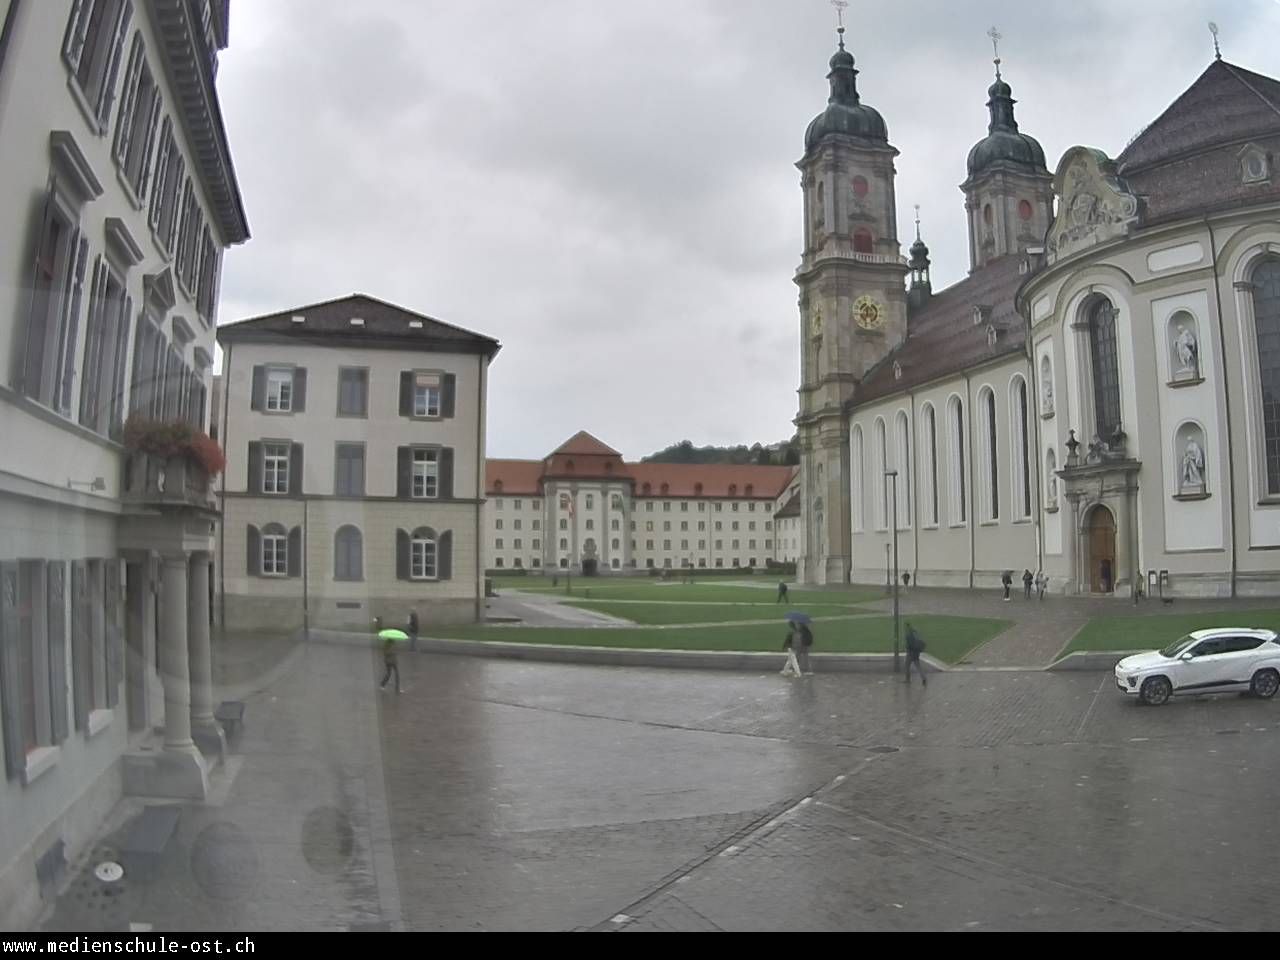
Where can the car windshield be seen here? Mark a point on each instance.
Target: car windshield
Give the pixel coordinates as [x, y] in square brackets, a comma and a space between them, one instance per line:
[1178, 647]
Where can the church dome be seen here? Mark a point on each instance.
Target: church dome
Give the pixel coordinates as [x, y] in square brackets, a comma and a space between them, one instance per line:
[1003, 143]
[846, 114]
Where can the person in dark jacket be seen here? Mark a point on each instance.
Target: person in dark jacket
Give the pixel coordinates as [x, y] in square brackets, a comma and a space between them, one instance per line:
[388, 657]
[1007, 580]
[1027, 577]
[782, 592]
[804, 642]
[411, 628]
[915, 647]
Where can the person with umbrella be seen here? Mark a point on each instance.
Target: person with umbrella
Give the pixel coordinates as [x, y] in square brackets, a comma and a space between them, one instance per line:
[798, 642]
[389, 640]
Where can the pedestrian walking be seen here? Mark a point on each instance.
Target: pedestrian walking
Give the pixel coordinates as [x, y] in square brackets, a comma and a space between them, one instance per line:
[388, 657]
[915, 647]
[792, 667]
[1027, 577]
[802, 654]
[1007, 581]
[782, 592]
[411, 627]
[1042, 583]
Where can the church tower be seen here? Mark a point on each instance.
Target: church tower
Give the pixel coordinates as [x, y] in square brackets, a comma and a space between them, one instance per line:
[1009, 190]
[853, 301]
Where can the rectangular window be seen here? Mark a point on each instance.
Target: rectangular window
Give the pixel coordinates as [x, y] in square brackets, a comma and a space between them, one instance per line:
[735, 524]
[564, 543]
[497, 504]
[617, 501]
[497, 561]
[751, 525]
[275, 555]
[537, 505]
[735, 506]
[591, 524]
[719, 524]
[768, 508]
[515, 524]
[719, 544]
[517, 544]
[426, 474]
[751, 544]
[666, 506]
[684, 544]
[137, 121]
[518, 562]
[702, 524]
[736, 544]
[564, 524]
[497, 544]
[353, 392]
[426, 395]
[591, 502]
[537, 524]
[648, 544]
[279, 390]
[92, 47]
[422, 559]
[768, 544]
[516, 505]
[275, 468]
[666, 524]
[497, 524]
[751, 507]
[702, 544]
[648, 507]
[537, 561]
[102, 372]
[666, 544]
[349, 470]
[537, 544]
[768, 525]
[719, 507]
[164, 198]
[615, 525]
[684, 506]
[633, 526]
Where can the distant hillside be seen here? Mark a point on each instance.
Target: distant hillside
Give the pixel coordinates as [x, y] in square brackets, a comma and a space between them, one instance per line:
[777, 454]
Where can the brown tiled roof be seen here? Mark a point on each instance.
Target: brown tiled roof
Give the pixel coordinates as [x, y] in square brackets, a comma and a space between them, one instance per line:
[942, 338]
[385, 325]
[1226, 104]
[583, 444]
[516, 477]
[682, 479]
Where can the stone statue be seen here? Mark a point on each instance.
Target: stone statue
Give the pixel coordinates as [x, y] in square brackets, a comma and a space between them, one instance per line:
[1046, 395]
[1053, 491]
[1098, 450]
[1188, 352]
[1193, 465]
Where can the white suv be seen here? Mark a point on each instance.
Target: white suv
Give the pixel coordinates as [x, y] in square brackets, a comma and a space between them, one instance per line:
[1205, 661]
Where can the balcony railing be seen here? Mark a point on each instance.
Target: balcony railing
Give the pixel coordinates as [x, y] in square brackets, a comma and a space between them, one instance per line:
[166, 481]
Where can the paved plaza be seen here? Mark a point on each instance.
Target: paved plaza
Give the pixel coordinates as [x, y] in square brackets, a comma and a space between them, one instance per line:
[498, 795]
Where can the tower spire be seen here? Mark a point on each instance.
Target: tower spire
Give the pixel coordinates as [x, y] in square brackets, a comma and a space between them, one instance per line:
[1217, 48]
[917, 221]
[996, 37]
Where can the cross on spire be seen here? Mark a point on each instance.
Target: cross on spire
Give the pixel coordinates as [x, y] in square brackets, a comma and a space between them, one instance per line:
[1217, 48]
[917, 221]
[840, 6]
[996, 37]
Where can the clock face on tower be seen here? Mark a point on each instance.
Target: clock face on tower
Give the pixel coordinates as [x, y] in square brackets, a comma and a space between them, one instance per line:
[868, 313]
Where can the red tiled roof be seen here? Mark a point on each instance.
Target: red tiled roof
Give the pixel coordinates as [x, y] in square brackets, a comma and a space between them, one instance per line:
[682, 479]
[583, 444]
[516, 476]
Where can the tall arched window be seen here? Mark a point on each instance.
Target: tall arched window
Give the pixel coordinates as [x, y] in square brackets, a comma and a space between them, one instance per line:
[903, 464]
[857, 477]
[1106, 368]
[348, 554]
[1266, 316]
[930, 466]
[863, 241]
[881, 460]
[1021, 449]
[990, 499]
[955, 413]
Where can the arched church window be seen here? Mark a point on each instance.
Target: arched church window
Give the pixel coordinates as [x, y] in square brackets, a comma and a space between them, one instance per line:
[991, 460]
[856, 479]
[1266, 315]
[956, 416]
[881, 454]
[988, 215]
[1021, 449]
[903, 464]
[862, 241]
[1025, 210]
[931, 465]
[1106, 368]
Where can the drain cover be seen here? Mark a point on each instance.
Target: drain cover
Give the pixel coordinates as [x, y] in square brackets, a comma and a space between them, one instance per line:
[108, 871]
[883, 749]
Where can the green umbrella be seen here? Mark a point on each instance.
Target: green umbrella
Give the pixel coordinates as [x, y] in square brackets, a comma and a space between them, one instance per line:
[393, 635]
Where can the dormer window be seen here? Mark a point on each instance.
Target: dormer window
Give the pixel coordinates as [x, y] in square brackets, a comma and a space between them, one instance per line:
[1255, 165]
[992, 336]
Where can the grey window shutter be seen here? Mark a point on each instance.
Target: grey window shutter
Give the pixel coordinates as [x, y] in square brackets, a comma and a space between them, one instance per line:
[447, 395]
[81, 642]
[300, 390]
[295, 469]
[258, 399]
[444, 556]
[153, 127]
[28, 364]
[294, 560]
[402, 555]
[253, 556]
[71, 329]
[446, 473]
[255, 467]
[114, 621]
[406, 393]
[73, 41]
[117, 47]
[15, 756]
[404, 466]
[57, 629]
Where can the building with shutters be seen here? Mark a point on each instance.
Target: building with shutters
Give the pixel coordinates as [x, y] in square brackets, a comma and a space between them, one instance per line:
[118, 199]
[1096, 399]
[354, 432]
[583, 508]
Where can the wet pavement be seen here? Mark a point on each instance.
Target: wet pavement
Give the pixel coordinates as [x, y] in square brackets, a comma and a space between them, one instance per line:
[496, 795]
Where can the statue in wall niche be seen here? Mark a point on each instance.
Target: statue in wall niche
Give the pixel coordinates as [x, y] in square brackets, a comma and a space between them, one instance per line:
[1098, 450]
[1188, 351]
[1046, 396]
[1193, 467]
[1053, 490]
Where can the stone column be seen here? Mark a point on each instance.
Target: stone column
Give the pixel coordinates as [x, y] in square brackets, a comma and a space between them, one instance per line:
[204, 728]
[181, 772]
[139, 642]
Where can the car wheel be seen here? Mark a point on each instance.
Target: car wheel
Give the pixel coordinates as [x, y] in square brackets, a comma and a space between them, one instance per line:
[1155, 691]
[1265, 684]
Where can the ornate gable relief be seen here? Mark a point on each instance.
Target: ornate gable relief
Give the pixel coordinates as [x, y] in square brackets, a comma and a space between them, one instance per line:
[1094, 204]
[1255, 164]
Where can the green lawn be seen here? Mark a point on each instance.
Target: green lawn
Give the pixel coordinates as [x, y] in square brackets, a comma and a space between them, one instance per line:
[1153, 631]
[677, 592]
[949, 638]
[658, 613]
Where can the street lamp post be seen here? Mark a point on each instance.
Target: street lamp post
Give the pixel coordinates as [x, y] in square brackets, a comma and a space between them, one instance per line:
[891, 477]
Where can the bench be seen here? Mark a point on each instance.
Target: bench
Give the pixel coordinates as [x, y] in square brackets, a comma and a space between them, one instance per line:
[144, 842]
[230, 713]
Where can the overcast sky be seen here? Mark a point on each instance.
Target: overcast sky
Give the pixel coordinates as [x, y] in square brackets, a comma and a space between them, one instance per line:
[609, 188]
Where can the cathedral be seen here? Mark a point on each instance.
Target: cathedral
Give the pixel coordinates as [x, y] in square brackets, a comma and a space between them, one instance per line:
[1098, 400]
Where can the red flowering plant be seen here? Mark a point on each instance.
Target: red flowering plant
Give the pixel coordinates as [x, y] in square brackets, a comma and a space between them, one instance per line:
[174, 438]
